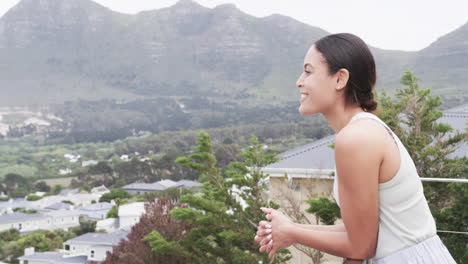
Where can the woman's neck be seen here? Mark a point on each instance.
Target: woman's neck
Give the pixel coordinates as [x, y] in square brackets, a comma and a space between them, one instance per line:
[340, 117]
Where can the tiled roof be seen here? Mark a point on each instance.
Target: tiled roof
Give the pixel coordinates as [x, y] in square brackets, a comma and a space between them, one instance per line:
[59, 206]
[19, 216]
[99, 238]
[145, 187]
[54, 257]
[97, 206]
[189, 184]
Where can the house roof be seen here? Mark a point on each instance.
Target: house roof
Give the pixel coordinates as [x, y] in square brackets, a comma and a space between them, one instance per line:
[189, 184]
[160, 185]
[59, 206]
[97, 206]
[144, 187]
[54, 257]
[318, 154]
[99, 189]
[17, 203]
[169, 183]
[99, 238]
[19, 216]
[60, 213]
[69, 191]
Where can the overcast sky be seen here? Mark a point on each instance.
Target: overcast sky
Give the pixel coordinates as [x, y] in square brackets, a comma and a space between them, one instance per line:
[387, 24]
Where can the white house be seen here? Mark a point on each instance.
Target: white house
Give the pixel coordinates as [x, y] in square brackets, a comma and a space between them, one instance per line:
[8, 206]
[23, 222]
[87, 163]
[33, 257]
[96, 210]
[140, 188]
[129, 214]
[100, 190]
[109, 225]
[93, 245]
[63, 219]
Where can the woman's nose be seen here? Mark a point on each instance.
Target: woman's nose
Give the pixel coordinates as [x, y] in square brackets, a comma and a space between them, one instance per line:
[299, 82]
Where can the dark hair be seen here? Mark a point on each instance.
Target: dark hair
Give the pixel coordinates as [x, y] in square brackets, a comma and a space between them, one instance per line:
[347, 51]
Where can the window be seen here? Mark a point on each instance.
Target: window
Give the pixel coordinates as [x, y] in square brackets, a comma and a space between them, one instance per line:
[25, 262]
[20, 226]
[67, 247]
[92, 253]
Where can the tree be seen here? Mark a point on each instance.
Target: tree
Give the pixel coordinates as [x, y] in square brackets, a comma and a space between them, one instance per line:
[155, 226]
[326, 210]
[33, 197]
[13, 182]
[113, 212]
[42, 186]
[224, 215]
[413, 117]
[114, 194]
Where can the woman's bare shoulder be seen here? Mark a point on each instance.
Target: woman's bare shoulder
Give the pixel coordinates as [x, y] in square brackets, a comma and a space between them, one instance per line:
[365, 134]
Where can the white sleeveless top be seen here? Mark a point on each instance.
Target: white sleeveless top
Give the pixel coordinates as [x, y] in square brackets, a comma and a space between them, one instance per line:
[404, 215]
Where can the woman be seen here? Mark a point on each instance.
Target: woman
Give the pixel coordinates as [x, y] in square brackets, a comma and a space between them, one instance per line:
[386, 217]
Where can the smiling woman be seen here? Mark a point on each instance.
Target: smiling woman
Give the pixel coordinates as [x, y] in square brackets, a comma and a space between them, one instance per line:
[386, 218]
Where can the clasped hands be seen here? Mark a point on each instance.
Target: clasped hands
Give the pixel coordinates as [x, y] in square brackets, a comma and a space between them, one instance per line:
[274, 235]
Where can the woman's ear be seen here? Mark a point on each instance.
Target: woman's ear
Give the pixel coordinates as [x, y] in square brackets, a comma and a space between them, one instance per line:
[342, 77]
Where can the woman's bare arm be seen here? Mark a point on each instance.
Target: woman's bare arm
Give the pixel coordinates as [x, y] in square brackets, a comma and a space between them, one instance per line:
[358, 158]
[331, 228]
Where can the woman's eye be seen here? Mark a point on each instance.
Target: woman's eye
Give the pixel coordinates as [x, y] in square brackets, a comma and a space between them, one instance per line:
[307, 72]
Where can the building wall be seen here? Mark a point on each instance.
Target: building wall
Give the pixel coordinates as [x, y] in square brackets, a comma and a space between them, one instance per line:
[96, 214]
[128, 221]
[100, 253]
[76, 249]
[26, 225]
[292, 195]
[34, 261]
[64, 222]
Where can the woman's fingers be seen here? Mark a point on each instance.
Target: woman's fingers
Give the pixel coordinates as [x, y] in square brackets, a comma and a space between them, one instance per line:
[258, 239]
[264, 224]
[266, 210]
[272, 253]
[265, 240]
[263, 232]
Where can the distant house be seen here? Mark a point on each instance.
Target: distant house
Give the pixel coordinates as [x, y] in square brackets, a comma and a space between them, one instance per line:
[141, 188]
[78, 199]
[109, 225]
[65, 171]
[59, 206]
[100, 190]
[129, 214]
[87, 163]
[63, 219]
[90, 247]
[69, 191]
[33, 257]
[96, 210]
[8, 206]
[71, 157]
[93, 245]
[23, 222]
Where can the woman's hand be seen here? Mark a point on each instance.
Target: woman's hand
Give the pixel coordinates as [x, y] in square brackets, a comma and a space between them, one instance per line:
[277, 237]
[263, 236]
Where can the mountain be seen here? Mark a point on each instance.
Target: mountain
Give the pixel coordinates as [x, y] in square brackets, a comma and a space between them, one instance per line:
[57, 50]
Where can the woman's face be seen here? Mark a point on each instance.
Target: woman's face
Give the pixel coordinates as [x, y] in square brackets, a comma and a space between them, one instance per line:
[318, 88]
